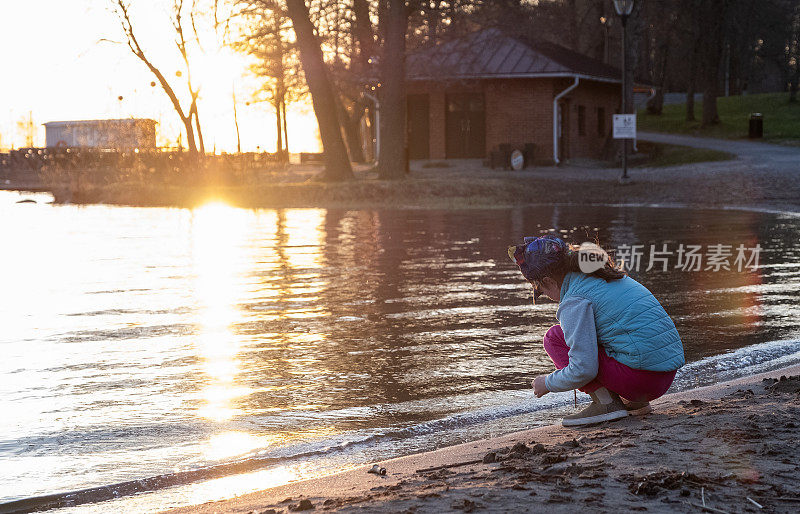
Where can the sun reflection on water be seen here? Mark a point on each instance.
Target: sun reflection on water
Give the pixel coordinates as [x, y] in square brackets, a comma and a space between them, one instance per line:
[220, 236]
[229, 290]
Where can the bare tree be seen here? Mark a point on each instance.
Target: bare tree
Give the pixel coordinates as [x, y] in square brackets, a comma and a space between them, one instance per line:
[268, 41]
[323, 94]
[393, 17]
[793, 54]
[180, 42]
[660, 39]
[190, 117]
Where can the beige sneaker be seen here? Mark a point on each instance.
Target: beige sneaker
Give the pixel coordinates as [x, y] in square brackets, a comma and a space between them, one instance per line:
[638, 408]
[596, 412]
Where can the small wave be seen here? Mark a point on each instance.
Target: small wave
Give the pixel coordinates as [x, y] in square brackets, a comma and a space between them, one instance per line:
[745, 361]
[120, 489]
[738, 363]
[520, 404]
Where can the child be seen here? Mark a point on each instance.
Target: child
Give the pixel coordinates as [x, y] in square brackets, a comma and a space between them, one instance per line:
[613, 340]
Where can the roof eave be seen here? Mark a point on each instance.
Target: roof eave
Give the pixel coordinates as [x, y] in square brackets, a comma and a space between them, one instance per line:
[515, 76]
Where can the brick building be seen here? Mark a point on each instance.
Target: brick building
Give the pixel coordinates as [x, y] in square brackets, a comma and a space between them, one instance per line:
[468, 96]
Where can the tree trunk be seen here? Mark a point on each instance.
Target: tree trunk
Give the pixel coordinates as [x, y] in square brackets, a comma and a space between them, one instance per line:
[691, 88]
[337, 164]
[285, 130]
[711, 40]
[710, 115]
[363, 34]
[193, 113]
[279, 141]
[573, 34]
[635, 26]
[351, 130]
[236, 123]
[392, 163]
[187, 123]
[795, 40]
[690, 102]
[656, 104]
[711, 89]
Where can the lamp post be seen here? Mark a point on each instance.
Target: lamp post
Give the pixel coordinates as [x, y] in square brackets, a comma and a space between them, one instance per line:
[606, 23]
[624, 9]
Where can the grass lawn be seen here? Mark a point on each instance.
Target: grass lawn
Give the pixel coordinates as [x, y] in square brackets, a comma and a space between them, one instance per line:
[781, 119]
[659, 155]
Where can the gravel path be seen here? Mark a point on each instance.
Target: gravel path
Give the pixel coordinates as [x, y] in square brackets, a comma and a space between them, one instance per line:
[759, 155]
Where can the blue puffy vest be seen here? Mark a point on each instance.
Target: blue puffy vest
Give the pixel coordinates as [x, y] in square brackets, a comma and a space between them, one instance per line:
[632, 326]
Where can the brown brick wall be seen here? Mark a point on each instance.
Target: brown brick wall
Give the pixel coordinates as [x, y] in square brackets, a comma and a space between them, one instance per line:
[591, 95]
[437, 127]
[520, 111]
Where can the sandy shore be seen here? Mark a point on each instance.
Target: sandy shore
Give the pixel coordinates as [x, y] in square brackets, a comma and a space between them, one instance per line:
[719, 444]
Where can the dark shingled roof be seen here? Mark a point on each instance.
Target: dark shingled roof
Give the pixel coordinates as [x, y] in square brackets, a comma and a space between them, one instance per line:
[491, 53]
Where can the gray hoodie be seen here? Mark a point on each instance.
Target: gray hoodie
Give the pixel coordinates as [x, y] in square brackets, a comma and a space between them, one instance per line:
[576, 316]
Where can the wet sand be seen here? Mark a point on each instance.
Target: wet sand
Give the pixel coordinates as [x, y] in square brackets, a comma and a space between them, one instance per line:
[734, 447]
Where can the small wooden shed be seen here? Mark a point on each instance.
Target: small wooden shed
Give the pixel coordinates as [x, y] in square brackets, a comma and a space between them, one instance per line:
[487, 90]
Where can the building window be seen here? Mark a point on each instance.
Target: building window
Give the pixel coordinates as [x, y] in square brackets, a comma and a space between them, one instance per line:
[601, 122]
[581, 120]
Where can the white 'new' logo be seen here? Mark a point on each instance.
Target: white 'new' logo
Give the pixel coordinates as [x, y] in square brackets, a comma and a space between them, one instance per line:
[591, 257]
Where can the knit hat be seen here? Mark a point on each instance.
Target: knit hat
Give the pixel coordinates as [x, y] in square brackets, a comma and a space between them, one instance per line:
[537, 257]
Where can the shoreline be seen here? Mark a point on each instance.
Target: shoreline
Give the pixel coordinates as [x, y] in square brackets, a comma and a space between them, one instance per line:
[720, 443]
[790, 210]
[466, 184]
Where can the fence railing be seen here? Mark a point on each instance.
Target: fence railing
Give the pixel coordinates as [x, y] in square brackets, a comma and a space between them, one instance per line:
[106, 166]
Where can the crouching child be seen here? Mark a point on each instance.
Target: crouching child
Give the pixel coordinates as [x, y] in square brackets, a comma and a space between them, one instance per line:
[614, 340]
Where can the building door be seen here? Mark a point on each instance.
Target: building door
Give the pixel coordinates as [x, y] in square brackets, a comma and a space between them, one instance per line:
[417, 116]
[465, 126]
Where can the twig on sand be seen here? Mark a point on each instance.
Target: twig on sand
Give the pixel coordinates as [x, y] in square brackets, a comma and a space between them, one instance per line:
[706, 507]
[446, 466]
[754, 502]
[598, 449]
[703, 495]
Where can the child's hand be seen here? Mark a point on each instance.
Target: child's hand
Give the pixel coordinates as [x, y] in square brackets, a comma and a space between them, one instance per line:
[539, 386]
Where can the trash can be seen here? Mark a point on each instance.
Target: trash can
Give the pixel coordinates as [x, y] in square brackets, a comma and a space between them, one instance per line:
[527, 149]
[756, 126]
[505, 154]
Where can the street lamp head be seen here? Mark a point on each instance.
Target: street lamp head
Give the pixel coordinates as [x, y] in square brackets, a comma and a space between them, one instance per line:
[623, 7]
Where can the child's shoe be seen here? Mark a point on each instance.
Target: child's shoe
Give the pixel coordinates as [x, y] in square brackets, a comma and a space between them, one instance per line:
[638, 408]
[597, 412]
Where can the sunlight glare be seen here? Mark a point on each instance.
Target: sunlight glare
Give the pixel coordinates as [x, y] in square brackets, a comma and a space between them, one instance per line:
[231, 444]
[220, 236]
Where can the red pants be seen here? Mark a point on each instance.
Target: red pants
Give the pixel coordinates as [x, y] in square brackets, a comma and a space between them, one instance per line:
[636, 385]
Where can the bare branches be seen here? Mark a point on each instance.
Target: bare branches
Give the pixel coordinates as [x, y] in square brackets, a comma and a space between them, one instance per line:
[123, 15]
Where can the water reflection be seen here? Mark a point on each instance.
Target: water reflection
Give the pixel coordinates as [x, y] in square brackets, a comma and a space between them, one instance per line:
[189, 339]
[220, 236]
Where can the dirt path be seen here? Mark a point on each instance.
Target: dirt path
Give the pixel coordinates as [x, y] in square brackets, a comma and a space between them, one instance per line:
[760, 156]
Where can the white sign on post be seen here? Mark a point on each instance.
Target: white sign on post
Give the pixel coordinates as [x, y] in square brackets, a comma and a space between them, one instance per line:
[624, 126]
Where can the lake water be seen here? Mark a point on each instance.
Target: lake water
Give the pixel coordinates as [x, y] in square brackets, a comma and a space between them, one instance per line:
[195, 355]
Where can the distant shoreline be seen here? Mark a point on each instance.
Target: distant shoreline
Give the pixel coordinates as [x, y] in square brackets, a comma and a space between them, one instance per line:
[466, 185]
